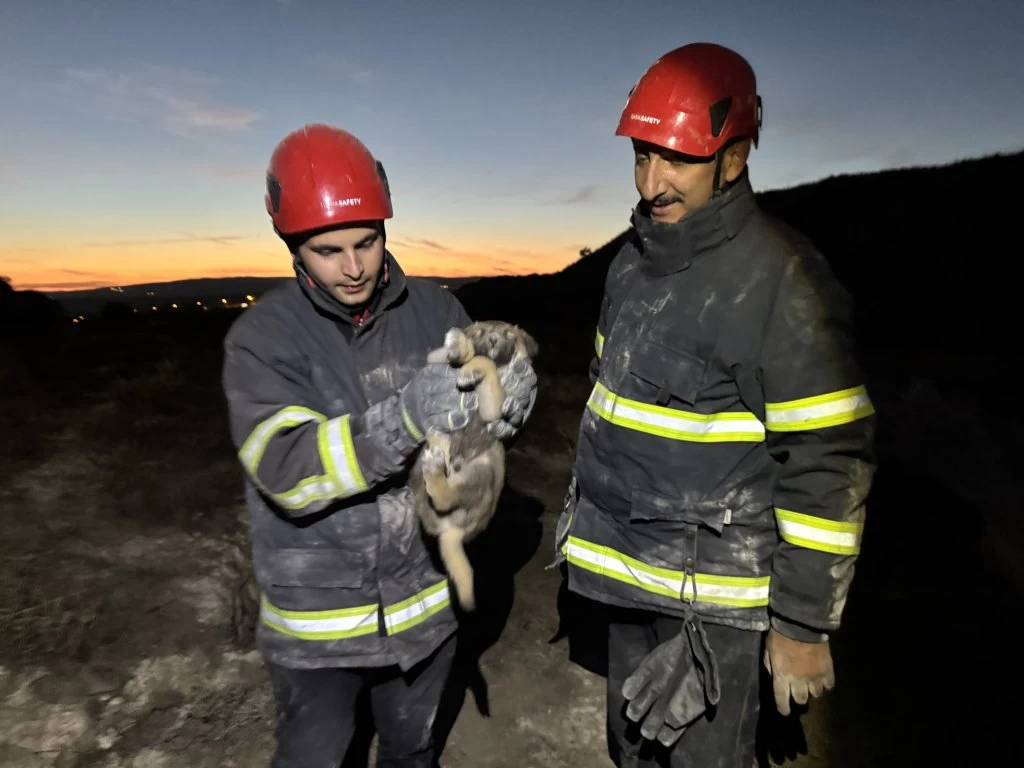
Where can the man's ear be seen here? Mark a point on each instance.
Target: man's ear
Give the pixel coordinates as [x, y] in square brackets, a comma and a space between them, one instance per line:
[735, 160]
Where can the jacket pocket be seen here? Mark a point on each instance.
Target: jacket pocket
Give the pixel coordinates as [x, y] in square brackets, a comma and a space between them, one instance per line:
[312, 568]
[676, 513]
[667, 372]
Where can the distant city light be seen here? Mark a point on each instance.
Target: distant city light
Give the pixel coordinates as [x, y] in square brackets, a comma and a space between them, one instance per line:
[174, 306]
[249, 298]
[245, 304]
[223, 301]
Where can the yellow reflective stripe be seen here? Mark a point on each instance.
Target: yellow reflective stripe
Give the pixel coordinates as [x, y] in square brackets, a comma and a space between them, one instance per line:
[407, 420]
[306, 492]
[736, 591]
[599, 344]
[826, 410]
[354, 622]
[252, 450]
[338, 455]
[320, 625]
[739, 426]
[417, 609]
[837, 537]
[342, 475]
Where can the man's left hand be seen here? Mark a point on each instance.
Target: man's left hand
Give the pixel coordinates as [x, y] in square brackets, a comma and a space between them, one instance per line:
[798, 669]
[519, 381]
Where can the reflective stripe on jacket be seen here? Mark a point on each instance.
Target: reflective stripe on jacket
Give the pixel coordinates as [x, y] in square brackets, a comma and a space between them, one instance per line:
[725, 452]
[345, 570]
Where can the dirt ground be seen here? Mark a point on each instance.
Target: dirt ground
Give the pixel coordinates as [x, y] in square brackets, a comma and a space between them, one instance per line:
[128, 641]
[126, 603]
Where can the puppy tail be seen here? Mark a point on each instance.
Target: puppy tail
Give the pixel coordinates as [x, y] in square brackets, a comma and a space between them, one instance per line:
[458, 566]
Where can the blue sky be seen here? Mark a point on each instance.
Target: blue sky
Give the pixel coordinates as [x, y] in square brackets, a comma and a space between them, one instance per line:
[149, 122]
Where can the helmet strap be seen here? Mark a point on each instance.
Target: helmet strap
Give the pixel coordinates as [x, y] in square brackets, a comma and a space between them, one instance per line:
[717, 187]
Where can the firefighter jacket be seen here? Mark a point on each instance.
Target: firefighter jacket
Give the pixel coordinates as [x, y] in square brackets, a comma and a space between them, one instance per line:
[726, 450]
[347, 578]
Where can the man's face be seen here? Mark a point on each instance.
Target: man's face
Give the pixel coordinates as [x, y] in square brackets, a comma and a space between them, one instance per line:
[346, 261]
[673, 184]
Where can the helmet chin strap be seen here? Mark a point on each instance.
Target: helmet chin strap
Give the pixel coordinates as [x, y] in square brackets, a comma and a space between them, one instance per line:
[718, 188]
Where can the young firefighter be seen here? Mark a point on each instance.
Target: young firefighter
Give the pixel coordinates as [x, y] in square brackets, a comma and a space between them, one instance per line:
[725, 454]
[329, 399]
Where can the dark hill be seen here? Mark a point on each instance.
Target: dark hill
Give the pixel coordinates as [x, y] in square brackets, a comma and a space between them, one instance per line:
[209, 290]
[919, 248]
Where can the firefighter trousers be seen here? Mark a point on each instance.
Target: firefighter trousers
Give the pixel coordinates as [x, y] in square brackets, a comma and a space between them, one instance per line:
[724, 737]
[317, 712]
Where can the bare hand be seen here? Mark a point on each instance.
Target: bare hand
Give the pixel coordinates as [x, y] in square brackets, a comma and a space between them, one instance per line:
[798, 669]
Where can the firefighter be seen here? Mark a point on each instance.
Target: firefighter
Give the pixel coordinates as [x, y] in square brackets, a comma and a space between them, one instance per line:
[718, 493]
[329, 398]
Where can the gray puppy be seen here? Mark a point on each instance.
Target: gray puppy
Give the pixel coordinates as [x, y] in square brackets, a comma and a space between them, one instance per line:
[457, 478]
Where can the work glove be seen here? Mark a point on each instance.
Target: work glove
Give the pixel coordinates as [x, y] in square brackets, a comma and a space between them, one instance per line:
[387, 433]
[432, 401]
[798, 669]
[673, 685]
[519, 381]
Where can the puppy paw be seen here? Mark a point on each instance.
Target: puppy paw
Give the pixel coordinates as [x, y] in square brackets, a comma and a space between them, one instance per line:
[434, 462]
[468, 378]
[458, 346]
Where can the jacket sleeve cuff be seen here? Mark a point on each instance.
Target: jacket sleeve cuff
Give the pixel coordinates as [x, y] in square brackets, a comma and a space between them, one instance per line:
[796, 631]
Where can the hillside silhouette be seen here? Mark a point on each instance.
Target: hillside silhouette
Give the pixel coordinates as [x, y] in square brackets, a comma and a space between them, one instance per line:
[186, 293]
[27, 308]
[919, 248]
[126, 594]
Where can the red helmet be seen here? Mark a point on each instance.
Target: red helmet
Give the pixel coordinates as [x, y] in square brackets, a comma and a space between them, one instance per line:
[320, 175]
[693, 100]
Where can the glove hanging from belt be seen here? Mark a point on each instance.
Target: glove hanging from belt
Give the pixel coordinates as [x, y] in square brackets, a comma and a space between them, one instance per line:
[674, 684]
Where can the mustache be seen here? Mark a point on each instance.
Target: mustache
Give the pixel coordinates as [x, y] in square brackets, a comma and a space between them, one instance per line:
[666, 199]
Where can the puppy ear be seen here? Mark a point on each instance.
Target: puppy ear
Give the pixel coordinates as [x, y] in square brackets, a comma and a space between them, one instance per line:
[529, 344]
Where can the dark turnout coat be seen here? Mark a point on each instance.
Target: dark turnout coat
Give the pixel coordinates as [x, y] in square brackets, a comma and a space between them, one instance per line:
[725, 452]
[345, 573]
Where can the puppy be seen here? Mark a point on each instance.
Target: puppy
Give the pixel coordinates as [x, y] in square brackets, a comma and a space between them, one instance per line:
[457, 478]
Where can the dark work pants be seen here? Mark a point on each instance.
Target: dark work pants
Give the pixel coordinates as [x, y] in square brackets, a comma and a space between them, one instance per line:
[724, 736]
[317, 712]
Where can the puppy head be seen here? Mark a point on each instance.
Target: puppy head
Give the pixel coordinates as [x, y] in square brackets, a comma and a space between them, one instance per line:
[501, 341]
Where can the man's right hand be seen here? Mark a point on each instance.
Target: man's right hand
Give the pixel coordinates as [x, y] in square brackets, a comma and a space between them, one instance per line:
[432, 401]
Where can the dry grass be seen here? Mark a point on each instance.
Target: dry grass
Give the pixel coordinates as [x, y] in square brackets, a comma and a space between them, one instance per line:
[39, 624]
[121, 435]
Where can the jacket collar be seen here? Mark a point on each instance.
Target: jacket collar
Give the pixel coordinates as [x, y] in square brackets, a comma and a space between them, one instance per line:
[668, 248]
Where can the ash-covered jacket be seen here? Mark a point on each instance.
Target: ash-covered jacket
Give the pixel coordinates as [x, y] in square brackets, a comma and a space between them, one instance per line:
[725, 452]
[346, 574]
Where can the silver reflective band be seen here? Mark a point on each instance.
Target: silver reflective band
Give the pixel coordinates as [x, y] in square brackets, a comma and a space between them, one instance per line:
[674, 424]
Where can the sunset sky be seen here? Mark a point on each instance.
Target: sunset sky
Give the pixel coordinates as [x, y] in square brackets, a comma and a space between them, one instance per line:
[135, 134]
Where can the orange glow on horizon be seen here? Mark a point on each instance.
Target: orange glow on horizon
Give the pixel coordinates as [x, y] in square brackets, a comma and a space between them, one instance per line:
[78, 267]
